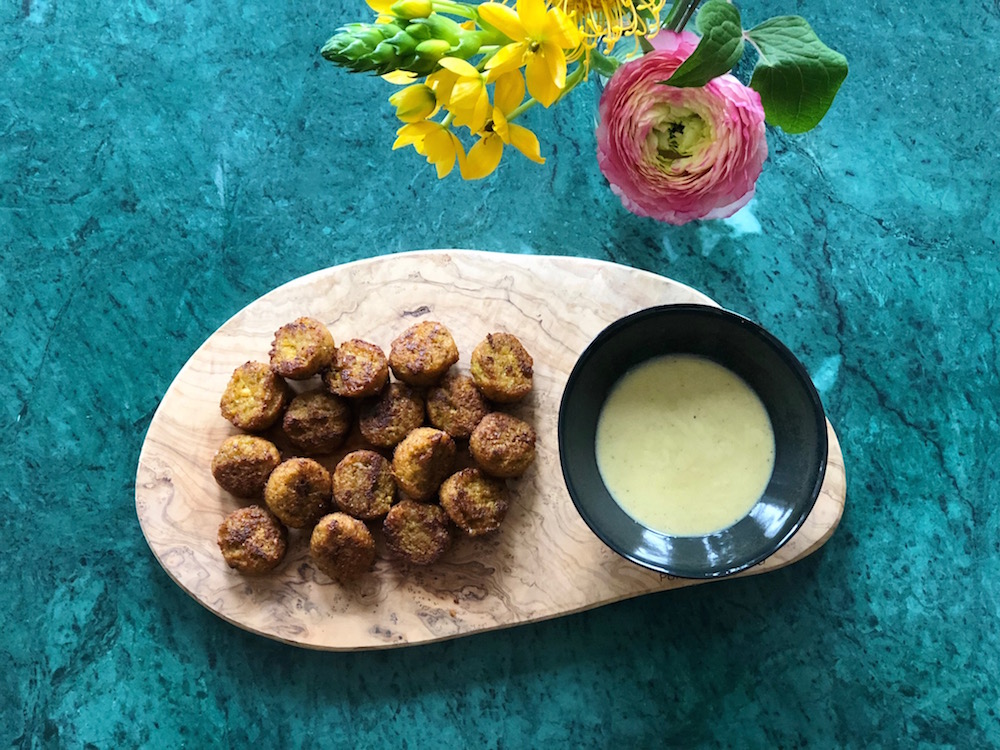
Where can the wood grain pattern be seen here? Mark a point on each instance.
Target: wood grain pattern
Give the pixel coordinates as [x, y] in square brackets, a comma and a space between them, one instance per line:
[544, 562]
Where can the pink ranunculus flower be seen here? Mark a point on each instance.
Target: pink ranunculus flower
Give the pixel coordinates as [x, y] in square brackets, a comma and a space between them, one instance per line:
[679, 154]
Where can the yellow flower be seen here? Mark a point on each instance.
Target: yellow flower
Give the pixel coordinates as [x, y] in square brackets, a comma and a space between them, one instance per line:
[400, 77]
[610, 20]
[414, 103]
[433, 140]
[462, 89]
[540, 37]
[485, 155]
[381, 6]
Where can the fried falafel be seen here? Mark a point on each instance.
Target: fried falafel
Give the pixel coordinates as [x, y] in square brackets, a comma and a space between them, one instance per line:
[317, 421]
[422, 353]
[254, 398]
[359, 369]
[252, 540]
[342, 547]
[503, 445]
[243, 463]
[301, 349]
[363, 486]
[502, 368]
[299, 492]
[456, 405]
[422, 460]
[475, 502]
[417, 532]
[391, 416]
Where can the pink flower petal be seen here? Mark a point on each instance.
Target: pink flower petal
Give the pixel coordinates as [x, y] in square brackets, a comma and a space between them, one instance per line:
[718, 177]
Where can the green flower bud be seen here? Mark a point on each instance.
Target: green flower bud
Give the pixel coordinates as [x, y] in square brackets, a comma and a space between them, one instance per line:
[433, 48]
[443, 27]
[385, 47]
[409, 9]
[352, 44]
[384, 57]
[468, 46]
[404, 44]
[419, 31]
[372, 34]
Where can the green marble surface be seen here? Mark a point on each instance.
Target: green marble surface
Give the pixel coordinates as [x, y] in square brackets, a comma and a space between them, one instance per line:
[163, 164]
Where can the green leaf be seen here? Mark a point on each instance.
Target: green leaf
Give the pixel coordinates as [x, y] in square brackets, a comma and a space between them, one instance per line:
[797, 75]
[720, 48]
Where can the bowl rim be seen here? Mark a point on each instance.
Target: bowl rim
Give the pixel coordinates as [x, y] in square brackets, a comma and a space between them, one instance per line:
[787, 357]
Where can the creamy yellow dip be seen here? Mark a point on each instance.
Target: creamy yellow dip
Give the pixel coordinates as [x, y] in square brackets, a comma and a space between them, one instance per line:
[684, 445]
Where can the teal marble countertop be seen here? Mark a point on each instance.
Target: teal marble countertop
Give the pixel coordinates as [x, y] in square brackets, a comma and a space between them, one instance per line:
[164, 164]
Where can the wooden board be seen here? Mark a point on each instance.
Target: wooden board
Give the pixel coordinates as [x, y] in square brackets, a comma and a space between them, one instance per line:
[544, 562]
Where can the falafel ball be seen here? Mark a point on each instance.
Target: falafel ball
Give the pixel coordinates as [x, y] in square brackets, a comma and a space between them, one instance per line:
[417, 532]
[342, 547]
[252, 540]
[476, 502]
[359, 369]
[503, 445]
[422, 460]
[301, 349]
[298, 492]
[422, 353]
[391, 416]
[363, 485]
[317, 421]
[254, 397]
[456, 405]
[243, 463]
[502, 368]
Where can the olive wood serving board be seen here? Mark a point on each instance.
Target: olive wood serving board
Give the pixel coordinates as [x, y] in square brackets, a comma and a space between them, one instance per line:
[544, 561]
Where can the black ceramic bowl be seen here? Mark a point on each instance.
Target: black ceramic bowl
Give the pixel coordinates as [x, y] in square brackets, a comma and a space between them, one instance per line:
[767, 366]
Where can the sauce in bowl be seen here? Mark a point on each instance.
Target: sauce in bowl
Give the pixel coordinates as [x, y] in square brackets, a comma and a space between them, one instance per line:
[684, 445]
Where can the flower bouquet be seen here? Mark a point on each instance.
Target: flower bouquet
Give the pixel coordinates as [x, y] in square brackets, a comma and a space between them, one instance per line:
[679, 137]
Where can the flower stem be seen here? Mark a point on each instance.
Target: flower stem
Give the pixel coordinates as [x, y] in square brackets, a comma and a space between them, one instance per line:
[572, 80]
[673, 14]
[688, 15]
[518, 111]
[456, 9]
[680, 13]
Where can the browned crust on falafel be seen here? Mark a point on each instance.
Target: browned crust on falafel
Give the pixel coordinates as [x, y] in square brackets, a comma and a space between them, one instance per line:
[243, 463]
[299, 492]
[342, 547]
[502, 368]
[455, 405]
[475, 502]
[422, 460]
[363, 486]
[417, 532]
[301, 349]
[317, 421]
[254, 398]
[503, 445]
[391, 416]
[359, 369]
[252, 540]
[422, 353]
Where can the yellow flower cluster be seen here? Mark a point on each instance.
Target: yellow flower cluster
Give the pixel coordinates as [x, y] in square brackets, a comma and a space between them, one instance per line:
[532, 44]
[534, 59]
[466, 69]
